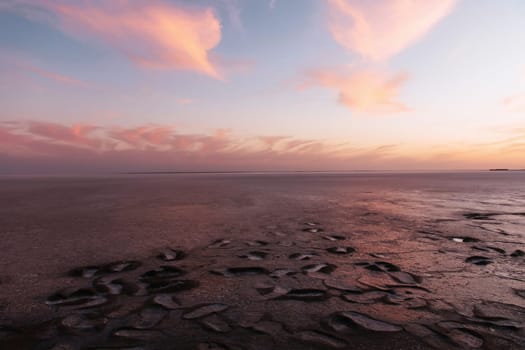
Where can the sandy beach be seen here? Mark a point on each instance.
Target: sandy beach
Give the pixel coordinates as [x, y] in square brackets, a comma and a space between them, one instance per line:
[262, 261]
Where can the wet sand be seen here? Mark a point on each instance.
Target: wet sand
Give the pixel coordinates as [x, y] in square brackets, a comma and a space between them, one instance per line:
[247, 261]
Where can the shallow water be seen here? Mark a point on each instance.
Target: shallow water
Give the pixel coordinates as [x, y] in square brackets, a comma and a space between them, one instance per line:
[416, 259]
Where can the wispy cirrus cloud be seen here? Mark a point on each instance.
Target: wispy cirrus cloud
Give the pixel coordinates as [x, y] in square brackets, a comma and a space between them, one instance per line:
[51, 75]
[19, 66]
[143, 136]
[61, 78]
[362, 91]
[153, 34]
[77, 134]
[32, 146]
[378, 30]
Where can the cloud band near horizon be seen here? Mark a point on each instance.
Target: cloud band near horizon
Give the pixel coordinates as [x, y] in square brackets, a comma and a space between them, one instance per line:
[51, 147]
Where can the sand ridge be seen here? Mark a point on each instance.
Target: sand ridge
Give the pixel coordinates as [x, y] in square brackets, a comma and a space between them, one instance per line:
[312, 289]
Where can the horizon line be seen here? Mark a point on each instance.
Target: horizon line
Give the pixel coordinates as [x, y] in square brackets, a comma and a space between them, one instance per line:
[175, 172]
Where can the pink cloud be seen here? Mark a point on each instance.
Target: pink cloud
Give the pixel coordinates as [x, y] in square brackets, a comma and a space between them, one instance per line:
[45, 140]
[49, 147]
[153, 34]
[380, 29]
[77, 134]
[148, 147]
[271, 141]
[362, 91]
[143, 136]
[18, 68]
[377, 30]
[54, 76]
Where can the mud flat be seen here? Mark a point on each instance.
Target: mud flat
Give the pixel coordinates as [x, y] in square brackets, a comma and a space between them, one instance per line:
[368, 261]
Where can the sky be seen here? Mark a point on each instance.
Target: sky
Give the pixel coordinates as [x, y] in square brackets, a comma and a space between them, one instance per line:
[261, 85]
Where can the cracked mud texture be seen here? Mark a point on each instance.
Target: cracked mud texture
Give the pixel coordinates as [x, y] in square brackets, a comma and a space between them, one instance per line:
[333, 261]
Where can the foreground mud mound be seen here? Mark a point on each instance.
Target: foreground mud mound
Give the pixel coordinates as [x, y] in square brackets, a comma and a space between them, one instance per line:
[307, 289]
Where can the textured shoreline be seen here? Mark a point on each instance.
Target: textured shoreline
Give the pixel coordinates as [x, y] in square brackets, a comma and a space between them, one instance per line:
[296, 275]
